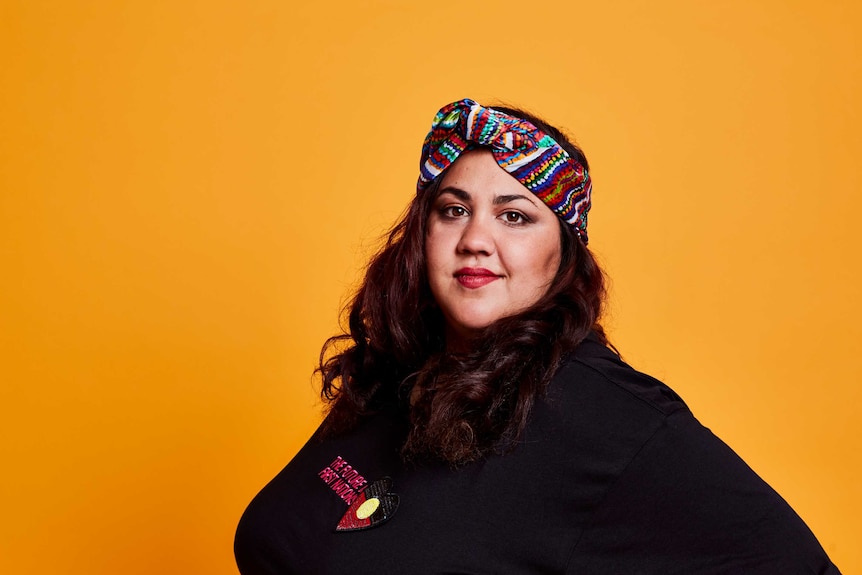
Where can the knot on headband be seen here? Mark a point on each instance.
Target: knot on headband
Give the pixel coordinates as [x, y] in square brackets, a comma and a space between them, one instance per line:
[523, 150]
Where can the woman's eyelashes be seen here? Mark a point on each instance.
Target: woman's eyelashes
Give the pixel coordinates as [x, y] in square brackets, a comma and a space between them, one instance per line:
[453, 212]
[509, 217]
[514, 218]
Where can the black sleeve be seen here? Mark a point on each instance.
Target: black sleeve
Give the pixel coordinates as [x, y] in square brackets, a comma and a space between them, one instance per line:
[688, 504]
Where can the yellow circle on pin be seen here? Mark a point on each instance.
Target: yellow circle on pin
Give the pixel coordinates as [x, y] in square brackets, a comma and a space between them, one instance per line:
[365, 510]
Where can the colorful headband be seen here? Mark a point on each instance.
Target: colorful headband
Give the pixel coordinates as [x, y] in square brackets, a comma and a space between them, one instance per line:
[524, 151]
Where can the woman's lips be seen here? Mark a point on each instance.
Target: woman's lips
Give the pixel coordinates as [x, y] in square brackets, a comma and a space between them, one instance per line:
[474, 278]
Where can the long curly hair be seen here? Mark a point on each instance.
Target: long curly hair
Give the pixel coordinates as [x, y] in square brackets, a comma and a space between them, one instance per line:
[464, 405]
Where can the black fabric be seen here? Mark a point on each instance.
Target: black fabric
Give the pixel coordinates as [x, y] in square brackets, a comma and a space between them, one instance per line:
[612, 476]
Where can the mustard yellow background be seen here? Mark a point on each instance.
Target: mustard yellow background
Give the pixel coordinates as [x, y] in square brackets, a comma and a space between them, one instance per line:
[189, 189]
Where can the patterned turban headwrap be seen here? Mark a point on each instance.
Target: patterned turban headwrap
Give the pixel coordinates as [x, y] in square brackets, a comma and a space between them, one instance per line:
[524, 151]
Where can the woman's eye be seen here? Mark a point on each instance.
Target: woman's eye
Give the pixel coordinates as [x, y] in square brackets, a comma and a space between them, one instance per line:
[454, 211]
[515, 218]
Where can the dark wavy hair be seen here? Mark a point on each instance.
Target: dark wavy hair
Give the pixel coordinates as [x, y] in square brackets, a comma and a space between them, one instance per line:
[458, 406]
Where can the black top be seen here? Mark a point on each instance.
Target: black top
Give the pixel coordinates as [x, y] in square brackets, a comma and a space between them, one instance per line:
[612, 475]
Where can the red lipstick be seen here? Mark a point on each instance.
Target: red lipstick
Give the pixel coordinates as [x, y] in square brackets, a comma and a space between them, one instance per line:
[474, 278]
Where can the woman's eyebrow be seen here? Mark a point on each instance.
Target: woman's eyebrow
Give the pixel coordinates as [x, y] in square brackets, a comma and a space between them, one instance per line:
[511, 198]
[498, 200]
[457, 192]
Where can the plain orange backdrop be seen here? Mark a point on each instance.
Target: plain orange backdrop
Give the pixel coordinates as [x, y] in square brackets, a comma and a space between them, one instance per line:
[189, 190]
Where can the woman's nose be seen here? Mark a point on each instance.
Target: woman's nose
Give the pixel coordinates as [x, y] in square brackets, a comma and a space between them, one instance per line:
[477, 237]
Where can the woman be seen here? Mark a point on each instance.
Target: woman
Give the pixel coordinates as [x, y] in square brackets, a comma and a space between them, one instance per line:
[479, 421]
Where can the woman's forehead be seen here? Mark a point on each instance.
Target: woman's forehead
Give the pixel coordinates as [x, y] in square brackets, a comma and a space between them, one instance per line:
[476, 171]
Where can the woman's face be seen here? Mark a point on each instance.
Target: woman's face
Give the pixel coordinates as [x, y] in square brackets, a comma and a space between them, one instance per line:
[492, 247]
